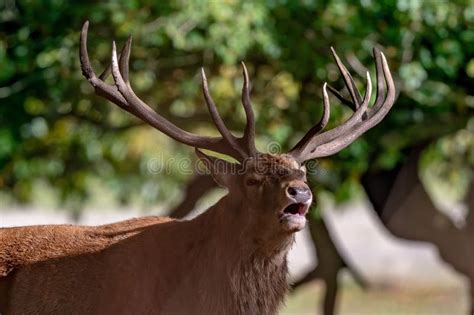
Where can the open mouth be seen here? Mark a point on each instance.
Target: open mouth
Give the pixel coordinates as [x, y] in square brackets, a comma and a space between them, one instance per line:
[296, 209]
[293, 216]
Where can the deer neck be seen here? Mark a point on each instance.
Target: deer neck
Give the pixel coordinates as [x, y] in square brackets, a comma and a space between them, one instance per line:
[254, 258]
[231, 219]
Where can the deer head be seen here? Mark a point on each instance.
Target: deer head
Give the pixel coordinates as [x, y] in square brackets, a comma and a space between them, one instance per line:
[273, 187]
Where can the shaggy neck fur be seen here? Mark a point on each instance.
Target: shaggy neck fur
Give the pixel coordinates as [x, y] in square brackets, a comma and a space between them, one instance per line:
[256, 259]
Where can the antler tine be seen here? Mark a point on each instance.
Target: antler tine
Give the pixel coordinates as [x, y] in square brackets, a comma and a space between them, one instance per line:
[331, 146]
[319, 126]
[354, 119]
[380, 75]
[308, 143]
[379, 92]
[108, 91]
[122, 95]
[105, 74]
[341, 98]
[380, 87]
[125, 60]
[375, 117]
[125, 53]
[216, 117]
[326, 111]
[350, 84]
[249, 133]
[378, 112]
[148, 115]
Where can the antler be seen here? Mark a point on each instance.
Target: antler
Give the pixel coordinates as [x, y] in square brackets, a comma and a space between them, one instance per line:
[123, 96]
[316, 144]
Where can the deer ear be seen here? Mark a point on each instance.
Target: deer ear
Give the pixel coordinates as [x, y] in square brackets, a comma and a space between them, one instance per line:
[221, 171]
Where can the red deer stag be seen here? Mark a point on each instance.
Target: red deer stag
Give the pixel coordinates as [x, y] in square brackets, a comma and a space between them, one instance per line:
[229, 260]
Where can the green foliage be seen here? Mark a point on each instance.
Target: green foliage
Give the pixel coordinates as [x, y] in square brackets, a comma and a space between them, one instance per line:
[446, 167]
[56, 132]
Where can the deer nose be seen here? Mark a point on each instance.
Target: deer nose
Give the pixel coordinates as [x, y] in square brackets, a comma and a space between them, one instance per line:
[299, 193]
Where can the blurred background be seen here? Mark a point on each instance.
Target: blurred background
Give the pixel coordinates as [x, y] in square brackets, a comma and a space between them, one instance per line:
[392, 231]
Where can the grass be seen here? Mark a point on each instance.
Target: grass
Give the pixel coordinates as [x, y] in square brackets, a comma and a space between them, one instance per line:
[381, 301]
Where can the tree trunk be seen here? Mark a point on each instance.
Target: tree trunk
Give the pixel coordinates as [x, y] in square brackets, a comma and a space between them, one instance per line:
[407, 211]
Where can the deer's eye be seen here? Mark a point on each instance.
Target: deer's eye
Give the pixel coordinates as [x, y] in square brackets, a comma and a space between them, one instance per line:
[252, 182]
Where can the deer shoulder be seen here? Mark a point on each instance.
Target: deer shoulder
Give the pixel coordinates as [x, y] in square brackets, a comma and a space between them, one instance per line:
[28, 245]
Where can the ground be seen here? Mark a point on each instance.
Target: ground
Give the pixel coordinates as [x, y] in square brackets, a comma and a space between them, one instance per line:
[381, 301]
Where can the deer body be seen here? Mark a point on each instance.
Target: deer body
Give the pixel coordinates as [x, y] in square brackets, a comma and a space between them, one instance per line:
[147, 270]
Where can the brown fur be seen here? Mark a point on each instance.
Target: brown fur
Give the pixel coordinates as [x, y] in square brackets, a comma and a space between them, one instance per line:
[28, 245]
[229, 260]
